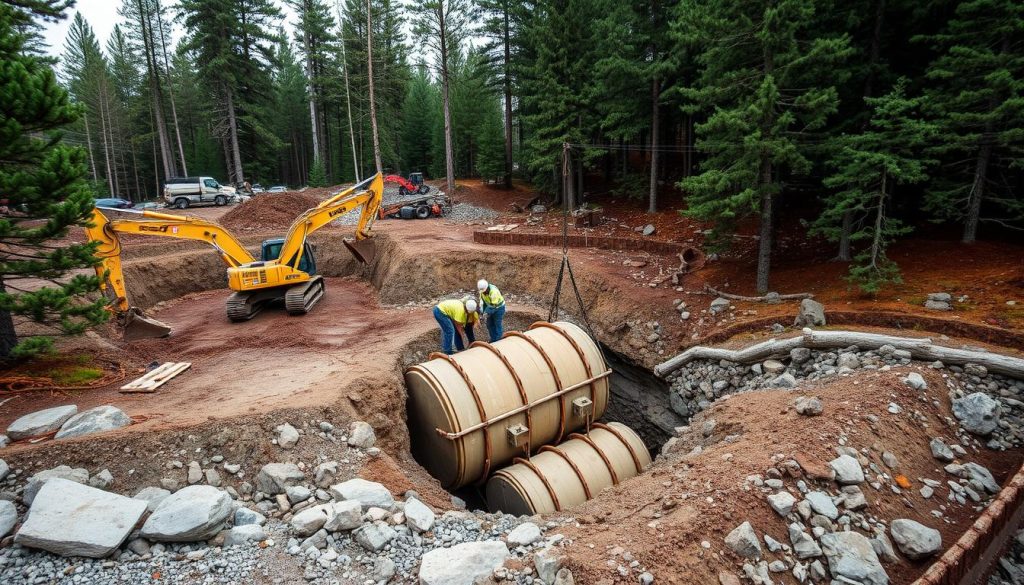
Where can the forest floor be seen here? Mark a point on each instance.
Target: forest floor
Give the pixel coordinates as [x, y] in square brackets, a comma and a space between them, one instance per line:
[343, 362]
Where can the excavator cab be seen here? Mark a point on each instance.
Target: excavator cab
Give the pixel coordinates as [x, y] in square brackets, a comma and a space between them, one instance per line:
[271, 250]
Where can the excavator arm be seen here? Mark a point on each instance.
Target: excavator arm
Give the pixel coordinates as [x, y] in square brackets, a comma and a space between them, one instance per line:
[367, 194]
[105, 231]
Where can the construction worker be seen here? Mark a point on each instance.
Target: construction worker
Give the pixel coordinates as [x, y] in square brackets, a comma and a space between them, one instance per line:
[455, 316]
[492, 304]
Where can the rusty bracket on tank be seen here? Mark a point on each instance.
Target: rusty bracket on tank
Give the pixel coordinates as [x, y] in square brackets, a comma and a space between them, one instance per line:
[525, 407]
[543, 479]
[618, 435]
[518, 435]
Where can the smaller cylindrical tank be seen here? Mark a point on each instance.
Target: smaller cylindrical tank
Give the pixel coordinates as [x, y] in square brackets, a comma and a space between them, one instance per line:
[559, 478]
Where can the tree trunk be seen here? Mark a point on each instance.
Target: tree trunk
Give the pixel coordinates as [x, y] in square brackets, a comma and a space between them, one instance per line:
[369, 69]
[449, 163]
[876, 240]
[844, 237]
[104, 124]
[977, 193]
[655, 94]
[236, 154]
[170, 91]
[348, 106]
[314, 118]
[88, 142]
[508, 107]
[8, 336]
[154, 85]
[764, 250]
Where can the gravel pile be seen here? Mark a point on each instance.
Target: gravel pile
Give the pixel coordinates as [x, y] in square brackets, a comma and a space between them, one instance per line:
[987, 405]
[469, 213]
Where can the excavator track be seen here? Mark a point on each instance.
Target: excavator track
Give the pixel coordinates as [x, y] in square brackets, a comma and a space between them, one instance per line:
[301, 298]
[241, 307]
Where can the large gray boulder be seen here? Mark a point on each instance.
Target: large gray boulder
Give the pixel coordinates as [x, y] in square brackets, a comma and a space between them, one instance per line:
[822, 504]
[71, 519]
[782, 503]
[308, 521]
[196, 512]
[275, 478]
[40, 422]
[804, 546]
[367, 493]
[8, 517]
[37, 481]
[915, 540]
[744, 542]
[980, 474]
[978, 413]
[361, 435]
[463, 563]
[418, 516]
[94, 420]
[848, 470]
[851, 555]
[812, 314]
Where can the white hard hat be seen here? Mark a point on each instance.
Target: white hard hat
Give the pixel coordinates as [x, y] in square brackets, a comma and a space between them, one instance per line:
[481, 284]
[471, 305]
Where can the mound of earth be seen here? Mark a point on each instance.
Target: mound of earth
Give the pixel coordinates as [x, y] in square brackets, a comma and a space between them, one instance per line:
[269, 211]
[673, 521]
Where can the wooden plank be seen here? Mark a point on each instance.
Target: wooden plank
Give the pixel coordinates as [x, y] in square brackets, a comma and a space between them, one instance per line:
[156, 378]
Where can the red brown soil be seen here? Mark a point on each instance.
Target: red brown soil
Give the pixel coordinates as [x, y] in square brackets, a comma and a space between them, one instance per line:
[663, 516]
[269, 211]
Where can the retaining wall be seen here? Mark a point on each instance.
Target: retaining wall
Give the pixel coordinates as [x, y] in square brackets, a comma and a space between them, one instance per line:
[577, 241]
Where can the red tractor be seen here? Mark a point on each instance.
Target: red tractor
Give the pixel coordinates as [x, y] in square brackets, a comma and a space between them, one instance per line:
[414, 185]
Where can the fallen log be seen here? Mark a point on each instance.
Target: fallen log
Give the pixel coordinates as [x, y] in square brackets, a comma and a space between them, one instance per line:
[762, 299]
[920, 348]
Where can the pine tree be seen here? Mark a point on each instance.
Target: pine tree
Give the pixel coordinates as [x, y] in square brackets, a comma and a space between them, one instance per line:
[490, 160]
[979, 97]
[444, 23]
[317, 174]
[869, 167]
[422, 103]
[45, 192]
[766, 81]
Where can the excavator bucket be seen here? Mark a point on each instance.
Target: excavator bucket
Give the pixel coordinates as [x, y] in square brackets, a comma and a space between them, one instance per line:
[138, 326]
[364, 250]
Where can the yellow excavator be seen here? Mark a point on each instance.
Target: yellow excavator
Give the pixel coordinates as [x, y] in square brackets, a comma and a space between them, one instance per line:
[286, 270]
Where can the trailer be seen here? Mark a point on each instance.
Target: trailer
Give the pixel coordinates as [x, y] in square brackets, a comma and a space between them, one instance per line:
[412, 208]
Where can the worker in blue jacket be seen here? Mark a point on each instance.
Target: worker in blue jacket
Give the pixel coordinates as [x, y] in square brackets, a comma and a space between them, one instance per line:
[492, 305]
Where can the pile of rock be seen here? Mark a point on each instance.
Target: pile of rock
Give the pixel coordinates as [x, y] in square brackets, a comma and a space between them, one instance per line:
[986, 405]
[832, 532]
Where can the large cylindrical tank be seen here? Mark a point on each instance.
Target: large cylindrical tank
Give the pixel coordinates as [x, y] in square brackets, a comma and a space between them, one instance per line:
[474, 411]
[561, 477]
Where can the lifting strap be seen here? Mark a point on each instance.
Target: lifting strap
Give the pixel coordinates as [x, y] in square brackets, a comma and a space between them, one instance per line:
[566, 266]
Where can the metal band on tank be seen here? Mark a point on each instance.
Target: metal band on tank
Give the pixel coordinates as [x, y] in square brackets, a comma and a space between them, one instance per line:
[636, 461]
[554, 372]
[572, 464]
[593, 445]
[579, 352]
[479, 408]
[544, 480]
[515, 377]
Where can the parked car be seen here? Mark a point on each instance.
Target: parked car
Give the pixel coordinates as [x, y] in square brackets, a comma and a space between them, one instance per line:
[183, 192]
[257, 188]
[114, 202]
[148, 205]
[277, 189]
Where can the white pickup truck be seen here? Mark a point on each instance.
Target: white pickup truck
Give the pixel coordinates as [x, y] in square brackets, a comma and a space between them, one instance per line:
[183, 192]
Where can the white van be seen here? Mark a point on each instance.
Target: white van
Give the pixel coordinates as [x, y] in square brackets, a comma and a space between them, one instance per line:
[182, 192]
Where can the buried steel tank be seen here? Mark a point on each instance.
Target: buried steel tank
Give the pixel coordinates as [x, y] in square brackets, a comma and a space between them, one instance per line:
[561, 477]
[475, 411]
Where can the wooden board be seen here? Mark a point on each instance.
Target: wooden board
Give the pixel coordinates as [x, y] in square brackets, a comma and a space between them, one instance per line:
[156, 378]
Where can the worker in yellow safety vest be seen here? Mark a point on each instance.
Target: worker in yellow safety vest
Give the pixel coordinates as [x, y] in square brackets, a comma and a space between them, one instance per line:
[456, 316]
[492, 305]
